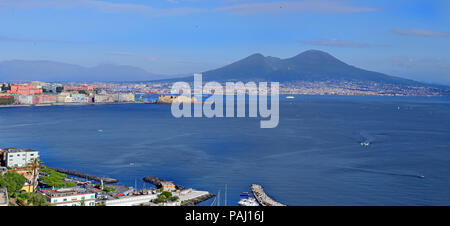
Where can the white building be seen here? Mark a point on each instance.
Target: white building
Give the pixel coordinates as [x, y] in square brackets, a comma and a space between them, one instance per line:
[103, 98]
[79, 98]
[19, 157]
[70, 197]
[24, 99]
[124, 97]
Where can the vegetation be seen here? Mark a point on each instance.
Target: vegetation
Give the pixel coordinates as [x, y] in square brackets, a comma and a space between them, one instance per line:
[5, 101]
[31, 199]
[55, 179]
[34, 169]
[13, 182]
[166, 196]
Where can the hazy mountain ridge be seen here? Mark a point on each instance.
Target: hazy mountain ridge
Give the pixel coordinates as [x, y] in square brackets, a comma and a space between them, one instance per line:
[21, 70]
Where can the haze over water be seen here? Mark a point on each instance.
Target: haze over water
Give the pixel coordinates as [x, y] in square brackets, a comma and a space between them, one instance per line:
[313, 157]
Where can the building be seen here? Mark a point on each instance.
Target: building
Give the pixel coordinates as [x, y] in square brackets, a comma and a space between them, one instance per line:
[79, 88]
[24, 99]
[103, 98]
[167, 186]
[24, 89]
[4, 197]
[4, 87]
[44, 99]
[64, 97]
[124, 97]
[79, 98]
[70, 197]
[52, 88]
[18, 158]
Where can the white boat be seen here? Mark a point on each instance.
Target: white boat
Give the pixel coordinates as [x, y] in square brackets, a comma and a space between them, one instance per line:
[365, 144]
[248, 202]
[290, 97]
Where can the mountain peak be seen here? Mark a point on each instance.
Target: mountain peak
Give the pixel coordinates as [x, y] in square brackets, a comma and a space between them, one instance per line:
[256, 56]
[315, 54]
[315, 57]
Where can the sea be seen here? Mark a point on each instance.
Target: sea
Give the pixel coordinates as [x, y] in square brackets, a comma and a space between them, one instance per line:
[316, 155]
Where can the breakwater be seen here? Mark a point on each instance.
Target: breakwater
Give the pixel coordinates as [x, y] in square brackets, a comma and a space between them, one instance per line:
[195, 201]
[83, 175]
[262, 198]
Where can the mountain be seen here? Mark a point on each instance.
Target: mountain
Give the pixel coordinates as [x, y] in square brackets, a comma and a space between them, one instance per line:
[21, 70]
[312, 65]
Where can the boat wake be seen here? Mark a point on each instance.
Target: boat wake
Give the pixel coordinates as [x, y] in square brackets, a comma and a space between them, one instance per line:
[386, 172]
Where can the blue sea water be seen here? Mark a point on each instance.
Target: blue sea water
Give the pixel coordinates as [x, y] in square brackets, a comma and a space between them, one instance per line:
[313, 157]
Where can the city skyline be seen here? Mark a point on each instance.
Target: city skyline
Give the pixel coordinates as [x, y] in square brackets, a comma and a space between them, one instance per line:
[403, 38]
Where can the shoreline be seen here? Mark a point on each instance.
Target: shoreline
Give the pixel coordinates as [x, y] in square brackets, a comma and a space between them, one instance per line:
[71, 104]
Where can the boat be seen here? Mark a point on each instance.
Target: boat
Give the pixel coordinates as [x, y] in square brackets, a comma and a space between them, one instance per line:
[248, 202]
[365, 144]
[290, 97]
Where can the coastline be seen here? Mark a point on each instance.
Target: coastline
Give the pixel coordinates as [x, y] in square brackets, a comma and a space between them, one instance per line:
[71, 104]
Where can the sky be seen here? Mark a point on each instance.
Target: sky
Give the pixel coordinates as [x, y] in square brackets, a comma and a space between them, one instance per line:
[407, 38]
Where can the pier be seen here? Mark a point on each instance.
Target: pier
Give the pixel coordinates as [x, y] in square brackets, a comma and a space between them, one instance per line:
[262, 198]
[83, 175]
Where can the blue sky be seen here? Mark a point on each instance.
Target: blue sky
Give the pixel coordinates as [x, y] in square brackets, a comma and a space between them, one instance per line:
[407, 38]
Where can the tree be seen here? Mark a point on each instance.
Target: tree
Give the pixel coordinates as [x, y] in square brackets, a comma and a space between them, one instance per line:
[31, 199]
[34, 168]
[166, 194]
[13, 182]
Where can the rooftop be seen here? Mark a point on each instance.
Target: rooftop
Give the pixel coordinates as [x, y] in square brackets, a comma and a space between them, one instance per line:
[66, 192]
[14, 150]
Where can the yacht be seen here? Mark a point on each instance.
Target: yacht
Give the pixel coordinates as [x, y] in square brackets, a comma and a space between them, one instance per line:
[365, 144]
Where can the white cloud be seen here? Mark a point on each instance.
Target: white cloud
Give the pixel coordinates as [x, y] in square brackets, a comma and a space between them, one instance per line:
[420, 32]
[338, 43]
[96, 4]
[317, 6]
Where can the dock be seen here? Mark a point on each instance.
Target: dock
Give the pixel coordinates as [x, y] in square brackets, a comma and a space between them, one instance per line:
[262, 198]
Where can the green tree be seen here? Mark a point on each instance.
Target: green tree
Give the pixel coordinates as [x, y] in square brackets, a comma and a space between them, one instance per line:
[13, 182]
[166, 194]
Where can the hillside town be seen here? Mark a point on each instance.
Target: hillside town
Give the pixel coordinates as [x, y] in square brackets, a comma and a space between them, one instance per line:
[41, 93]
[24, 181]
[44, 94]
